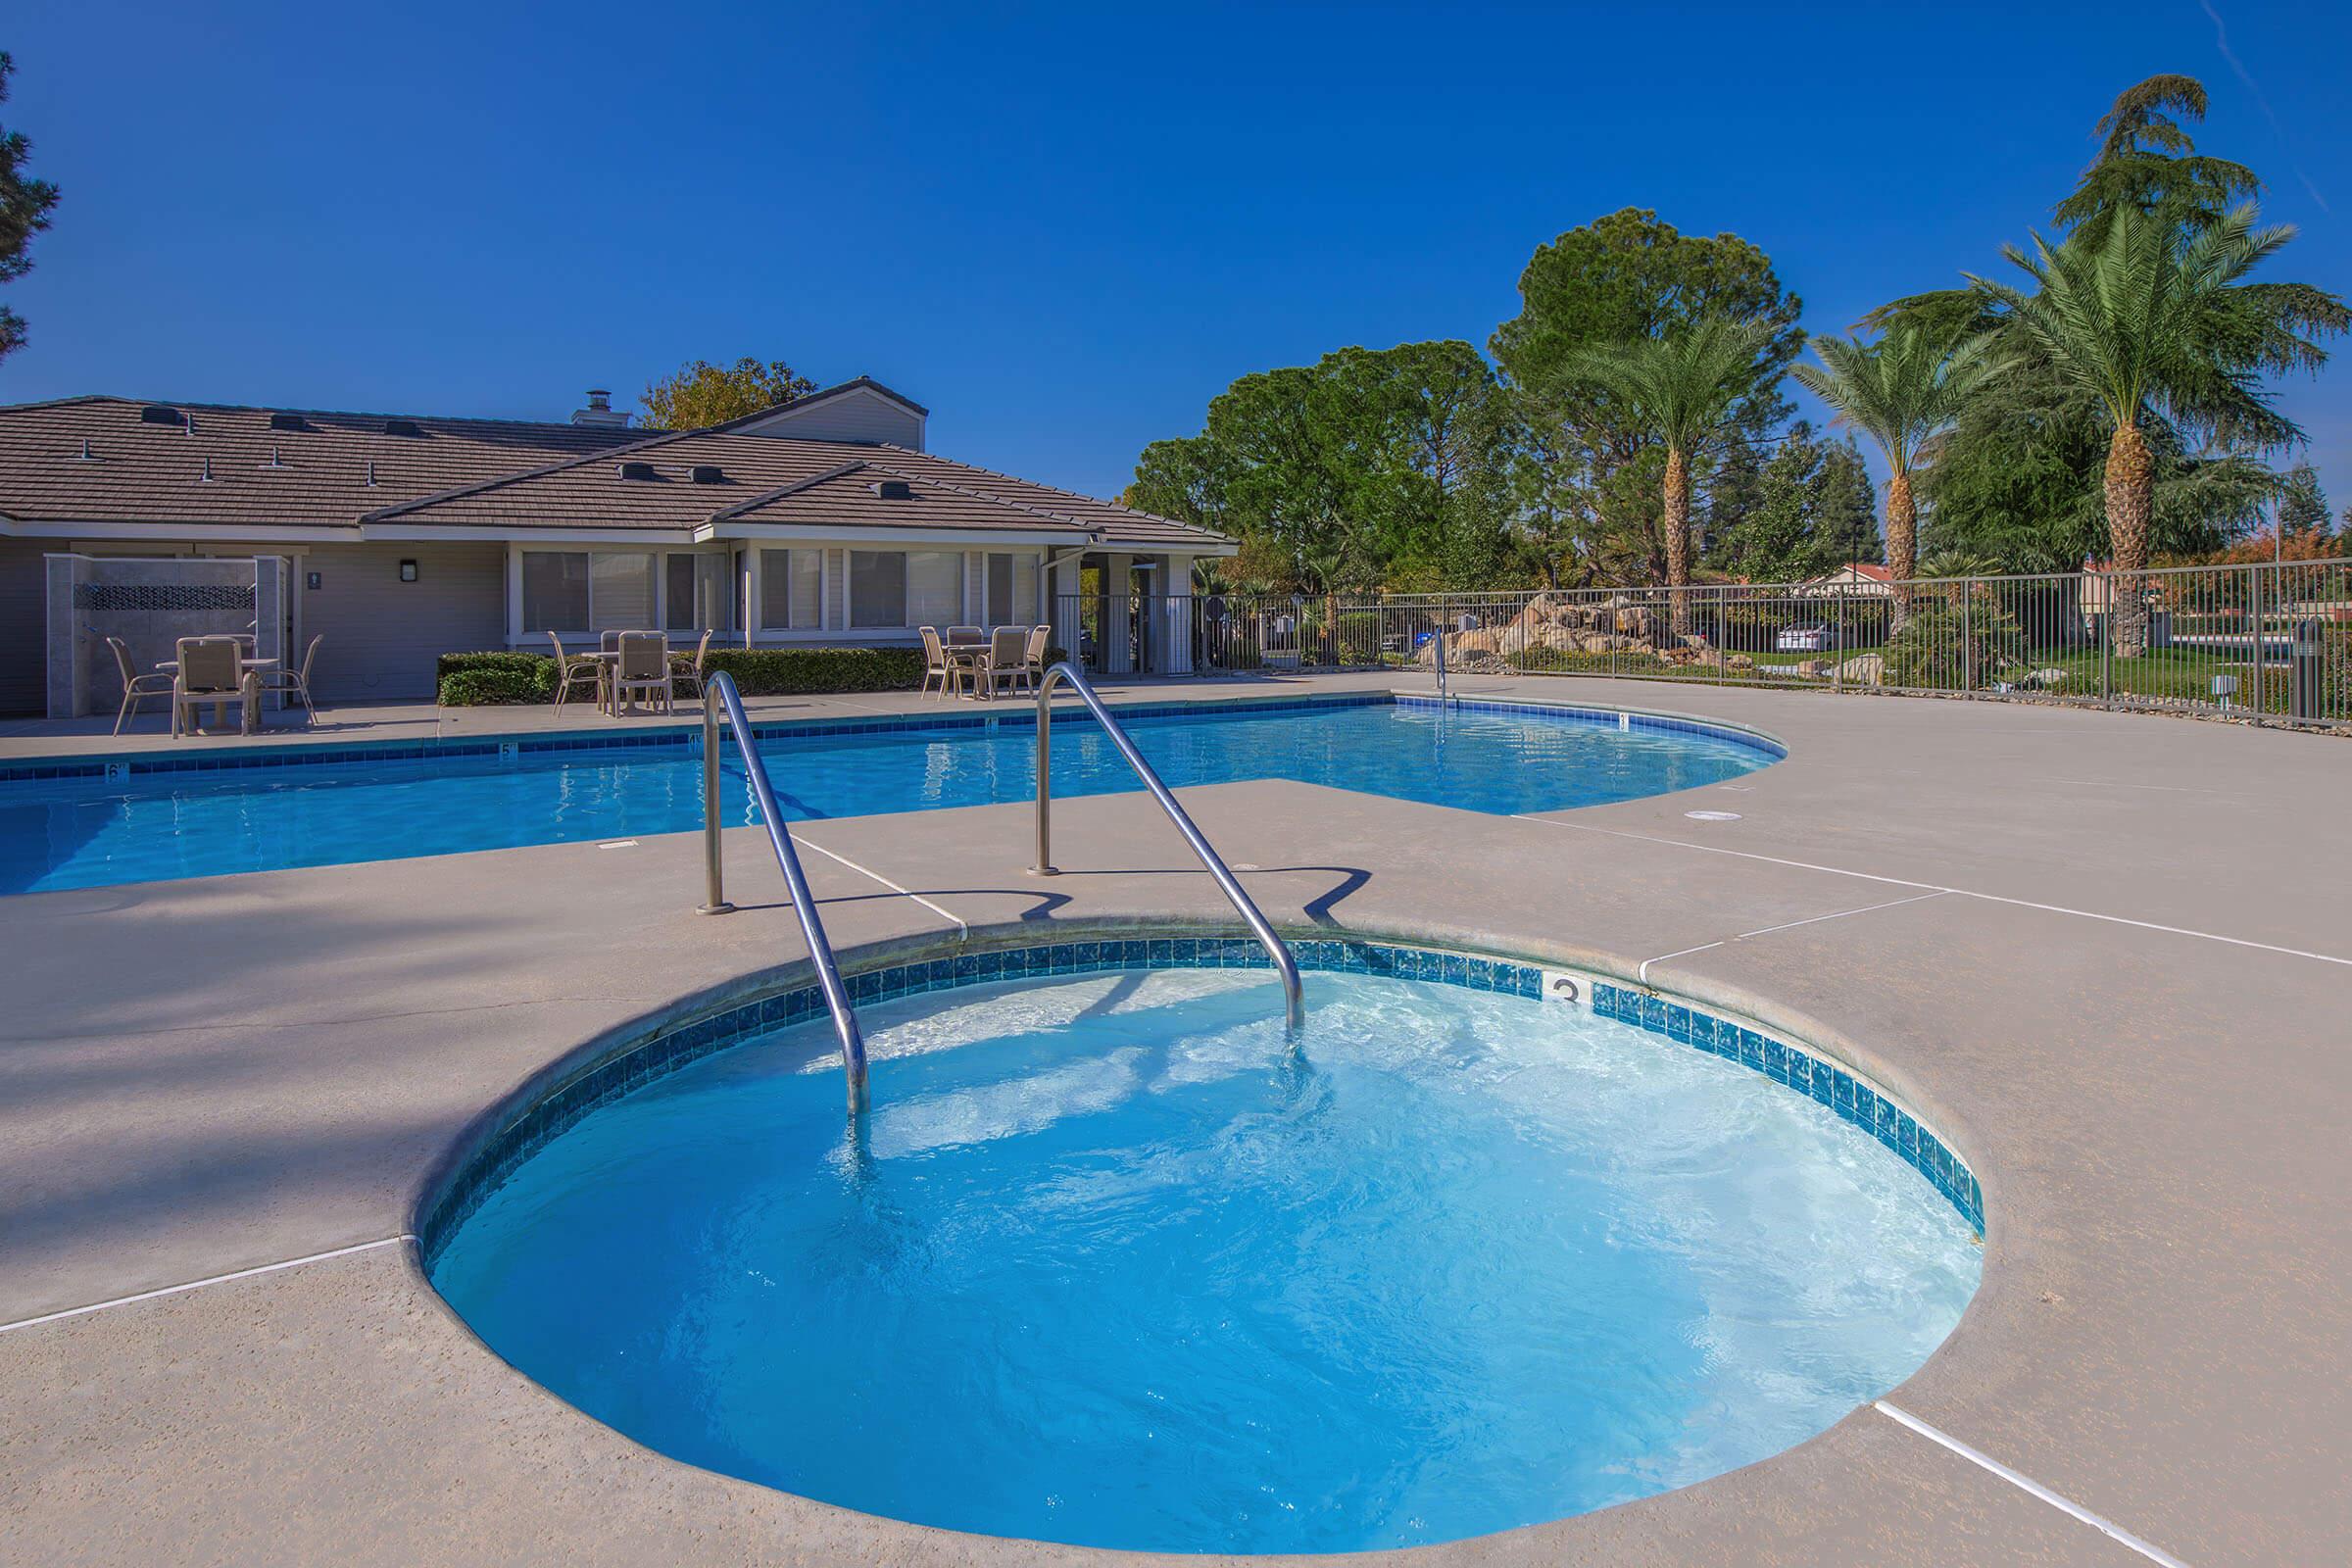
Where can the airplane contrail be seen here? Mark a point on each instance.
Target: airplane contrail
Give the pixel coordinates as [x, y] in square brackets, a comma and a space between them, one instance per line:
[2221, 37]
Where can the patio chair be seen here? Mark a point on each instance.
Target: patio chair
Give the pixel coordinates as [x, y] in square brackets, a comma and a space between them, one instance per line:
[1033, 659]
[296, 680]
[135, 686]
[1006, 659]
[949, 671]
[211, 669]
[689, 672]
[642, 671]
[964, 636]
[576, 668]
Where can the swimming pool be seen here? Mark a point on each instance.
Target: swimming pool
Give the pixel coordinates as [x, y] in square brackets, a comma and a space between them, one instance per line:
[1111, 1263]
[175, 821]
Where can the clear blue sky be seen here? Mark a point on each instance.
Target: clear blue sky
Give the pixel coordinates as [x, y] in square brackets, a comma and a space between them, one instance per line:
[1063, 230]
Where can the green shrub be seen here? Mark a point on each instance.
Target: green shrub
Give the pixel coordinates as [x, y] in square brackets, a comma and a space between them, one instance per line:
[1941, 649]
[477, 680]
[799, 672]
[472, 680]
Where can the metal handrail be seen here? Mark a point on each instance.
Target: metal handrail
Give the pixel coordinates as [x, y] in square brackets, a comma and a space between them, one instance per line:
[1294, 999]
[719, 690]
[1438, 643]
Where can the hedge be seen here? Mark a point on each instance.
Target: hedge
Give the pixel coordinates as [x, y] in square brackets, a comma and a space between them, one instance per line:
[793, 671]
[470, 680]
[477, 680]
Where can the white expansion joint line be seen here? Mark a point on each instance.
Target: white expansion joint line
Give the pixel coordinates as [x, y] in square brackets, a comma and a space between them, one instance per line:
[1965, 893]
[1642, 975]
[198, 1285]
[2105, 1527]
[963, 931]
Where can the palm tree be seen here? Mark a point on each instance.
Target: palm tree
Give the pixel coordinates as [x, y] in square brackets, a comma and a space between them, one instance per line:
[1903, 392]
[1680, 385]
[2151, 322]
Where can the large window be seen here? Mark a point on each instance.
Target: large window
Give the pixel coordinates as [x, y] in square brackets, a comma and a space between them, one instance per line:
[1011, 590]
[555, 590]
[877, 588]
[792, 590]
[677, 593]
[572, 590]
[893, 588]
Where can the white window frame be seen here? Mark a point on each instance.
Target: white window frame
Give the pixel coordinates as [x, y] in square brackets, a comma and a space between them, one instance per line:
[759, 550]
[908, 620]
[524, 630]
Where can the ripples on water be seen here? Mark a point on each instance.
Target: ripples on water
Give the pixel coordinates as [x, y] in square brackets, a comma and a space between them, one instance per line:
[1110, 1265]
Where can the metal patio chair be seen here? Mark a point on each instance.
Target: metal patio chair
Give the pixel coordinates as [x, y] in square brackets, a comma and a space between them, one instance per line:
[688, 671]
[135, 686]
[579, 668]
[297, 681]
[642, 669]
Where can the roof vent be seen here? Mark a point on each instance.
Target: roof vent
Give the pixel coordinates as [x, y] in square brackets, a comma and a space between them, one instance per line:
[893, 490]
[600, 412]
[87, 456]
[403, 427]
[276, 462]
[161, 413]
[709, 473]
[637, 470]
[289, 422]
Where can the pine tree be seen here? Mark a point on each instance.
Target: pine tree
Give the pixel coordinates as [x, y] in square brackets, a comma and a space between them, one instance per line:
[24, 205]
[2302, 504]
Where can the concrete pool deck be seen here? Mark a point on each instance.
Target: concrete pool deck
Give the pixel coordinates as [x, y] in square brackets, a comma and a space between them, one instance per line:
[2109, 955]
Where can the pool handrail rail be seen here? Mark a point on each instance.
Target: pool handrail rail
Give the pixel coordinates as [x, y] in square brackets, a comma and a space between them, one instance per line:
[719, 693]
[1438, 643]
[1065, 673]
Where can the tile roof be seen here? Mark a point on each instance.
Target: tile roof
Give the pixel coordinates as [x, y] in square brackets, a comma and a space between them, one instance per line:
[510, 476]
[138, 472]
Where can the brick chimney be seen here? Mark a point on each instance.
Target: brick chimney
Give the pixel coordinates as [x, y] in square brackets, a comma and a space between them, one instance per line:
[599, 412]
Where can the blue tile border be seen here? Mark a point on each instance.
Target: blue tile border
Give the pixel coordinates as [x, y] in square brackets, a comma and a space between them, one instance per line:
[677, 1043]
[1824, 1081]
[687, 737]
[1617, 719]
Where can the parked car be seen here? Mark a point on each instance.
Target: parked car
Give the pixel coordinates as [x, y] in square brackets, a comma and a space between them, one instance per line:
[1803, 640]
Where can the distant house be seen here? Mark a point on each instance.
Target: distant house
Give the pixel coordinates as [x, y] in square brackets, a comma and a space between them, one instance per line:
[824, 520]
[2097, 591]
[1854, 578]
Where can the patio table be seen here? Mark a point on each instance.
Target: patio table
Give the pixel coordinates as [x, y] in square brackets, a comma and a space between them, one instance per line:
[966, 655]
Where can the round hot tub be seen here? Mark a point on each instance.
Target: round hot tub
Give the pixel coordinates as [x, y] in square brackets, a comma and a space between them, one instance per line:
[1113, 1263]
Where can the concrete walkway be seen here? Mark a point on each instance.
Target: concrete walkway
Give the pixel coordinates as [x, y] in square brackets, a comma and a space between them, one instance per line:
[2109, 955]
[414, 724]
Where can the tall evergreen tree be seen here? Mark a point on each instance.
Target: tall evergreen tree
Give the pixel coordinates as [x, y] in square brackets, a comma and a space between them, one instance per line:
[1811, 509]
[2302, 504]
[1848, 526]
[1589, 478]
[25, 206]
[1369, 468]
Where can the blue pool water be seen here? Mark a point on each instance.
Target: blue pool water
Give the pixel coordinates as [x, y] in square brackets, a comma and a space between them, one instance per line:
[1109, 1264]
[66, 833]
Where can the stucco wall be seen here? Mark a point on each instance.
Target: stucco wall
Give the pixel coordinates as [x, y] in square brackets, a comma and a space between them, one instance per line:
[382, 634]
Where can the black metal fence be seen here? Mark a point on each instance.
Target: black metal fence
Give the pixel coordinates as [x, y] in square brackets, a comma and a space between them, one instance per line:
[2271, 640]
